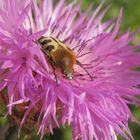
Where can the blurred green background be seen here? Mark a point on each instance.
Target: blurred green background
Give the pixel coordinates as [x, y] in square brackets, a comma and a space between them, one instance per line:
[131, 18]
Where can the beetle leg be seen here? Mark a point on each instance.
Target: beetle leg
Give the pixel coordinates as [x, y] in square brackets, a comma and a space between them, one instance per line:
[80, 64]
[52, 63]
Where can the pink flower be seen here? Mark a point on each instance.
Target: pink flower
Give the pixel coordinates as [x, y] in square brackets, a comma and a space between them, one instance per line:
[94, 109]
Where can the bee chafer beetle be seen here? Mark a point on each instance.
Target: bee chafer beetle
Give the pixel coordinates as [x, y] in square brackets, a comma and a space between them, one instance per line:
[60, 56]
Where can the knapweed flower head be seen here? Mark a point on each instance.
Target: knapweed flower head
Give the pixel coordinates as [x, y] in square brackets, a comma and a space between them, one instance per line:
[95, 108]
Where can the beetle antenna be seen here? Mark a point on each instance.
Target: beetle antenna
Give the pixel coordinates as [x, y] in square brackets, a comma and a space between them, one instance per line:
[35, 42]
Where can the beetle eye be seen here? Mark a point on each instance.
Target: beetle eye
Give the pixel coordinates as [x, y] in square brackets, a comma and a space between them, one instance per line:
[49, 48]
